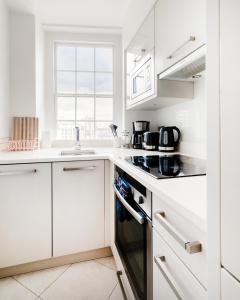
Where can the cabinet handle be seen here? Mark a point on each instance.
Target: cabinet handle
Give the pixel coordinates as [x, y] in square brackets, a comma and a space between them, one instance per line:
[90, 168]
[170, 280]
[119, 274]
[17, 172]
[190, 247]
[128, 207]
[190, 39]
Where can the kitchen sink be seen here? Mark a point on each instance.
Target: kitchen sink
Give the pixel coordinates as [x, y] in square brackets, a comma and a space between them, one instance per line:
[78, 152]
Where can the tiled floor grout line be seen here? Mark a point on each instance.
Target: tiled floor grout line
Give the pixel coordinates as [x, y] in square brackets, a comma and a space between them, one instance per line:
[112, 291]
[54, 281]
[102, 264]
[27, 288]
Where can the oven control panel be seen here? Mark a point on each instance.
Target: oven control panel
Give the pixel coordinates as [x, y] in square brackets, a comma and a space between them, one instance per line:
[144, 202]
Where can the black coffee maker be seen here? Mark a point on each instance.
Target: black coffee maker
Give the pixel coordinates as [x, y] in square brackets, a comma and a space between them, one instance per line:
[139, 128]
[168, 138]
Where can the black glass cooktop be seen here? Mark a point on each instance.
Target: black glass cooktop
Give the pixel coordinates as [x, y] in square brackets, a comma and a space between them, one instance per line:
[169, 165]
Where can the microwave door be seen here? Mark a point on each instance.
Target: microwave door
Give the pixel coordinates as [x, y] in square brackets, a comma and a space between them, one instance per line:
[138, 83]
[142, 81]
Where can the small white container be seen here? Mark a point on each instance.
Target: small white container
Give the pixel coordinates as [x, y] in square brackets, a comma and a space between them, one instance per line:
[117, 142]
[126, 139]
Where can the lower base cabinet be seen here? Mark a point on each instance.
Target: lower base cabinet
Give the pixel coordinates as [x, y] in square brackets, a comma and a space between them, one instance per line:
[25, 213]
[172, 280]
[78, 206]
[230, 287]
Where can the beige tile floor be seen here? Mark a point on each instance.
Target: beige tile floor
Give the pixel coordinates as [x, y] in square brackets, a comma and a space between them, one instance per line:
[90, 280]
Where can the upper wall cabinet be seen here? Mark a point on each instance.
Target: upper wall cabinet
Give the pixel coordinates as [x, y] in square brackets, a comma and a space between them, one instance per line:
[179, 30]
[142, 43]
[139, 58]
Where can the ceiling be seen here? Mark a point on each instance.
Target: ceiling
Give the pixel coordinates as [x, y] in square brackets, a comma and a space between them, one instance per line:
[100, 13]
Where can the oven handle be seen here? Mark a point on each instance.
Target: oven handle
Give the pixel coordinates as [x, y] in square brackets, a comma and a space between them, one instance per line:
[119, 274]
[128, 207]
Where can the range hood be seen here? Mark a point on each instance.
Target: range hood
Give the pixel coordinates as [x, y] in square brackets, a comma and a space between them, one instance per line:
[188, 68]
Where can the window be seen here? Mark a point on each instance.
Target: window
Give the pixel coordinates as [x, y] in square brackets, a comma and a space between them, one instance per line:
[83, 90]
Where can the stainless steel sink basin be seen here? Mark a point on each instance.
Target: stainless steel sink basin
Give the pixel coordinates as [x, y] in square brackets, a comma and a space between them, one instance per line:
[78, 152]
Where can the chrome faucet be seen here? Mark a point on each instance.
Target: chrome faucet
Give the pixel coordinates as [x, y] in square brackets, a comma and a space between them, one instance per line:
[77, 142]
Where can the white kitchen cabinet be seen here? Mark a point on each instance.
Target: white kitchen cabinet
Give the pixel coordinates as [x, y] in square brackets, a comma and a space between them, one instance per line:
[230, 287]
[142, 43]
[140, 65]
[172, 280]
[25, 213]
[175, 22]
[78, 206]
[172, 226]
[230, 142]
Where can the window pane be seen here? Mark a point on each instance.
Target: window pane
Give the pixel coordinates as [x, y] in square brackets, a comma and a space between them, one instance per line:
[104, 59]
[66, 130]
[86, 130]
[65, 58]
[104, 83]
[85, 108]
[104, 109]
[85, 59]
[85, 83]
[103, 130]
[66, 108]
[66, 82]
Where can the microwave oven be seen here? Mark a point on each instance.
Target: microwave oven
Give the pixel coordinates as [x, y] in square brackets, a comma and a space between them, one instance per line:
[142, 80]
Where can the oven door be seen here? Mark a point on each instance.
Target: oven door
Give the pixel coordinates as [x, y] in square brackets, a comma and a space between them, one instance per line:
[132, 232]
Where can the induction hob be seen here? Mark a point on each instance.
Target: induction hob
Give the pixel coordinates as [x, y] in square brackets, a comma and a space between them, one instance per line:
[169, 165]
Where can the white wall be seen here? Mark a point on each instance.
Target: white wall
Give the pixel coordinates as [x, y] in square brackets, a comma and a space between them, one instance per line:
[40, 84]
[50, 38]
[191, 119]
[22, 64]
[141, 115]
[4, 73]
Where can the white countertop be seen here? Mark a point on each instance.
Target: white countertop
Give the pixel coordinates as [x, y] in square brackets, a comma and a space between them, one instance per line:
[187, 194]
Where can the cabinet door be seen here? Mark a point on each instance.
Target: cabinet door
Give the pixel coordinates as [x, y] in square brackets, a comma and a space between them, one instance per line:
[172, 280]
[230, 287]
[25, 213]
[230, 142]
[175, 22]
[78, 206]
[138, 51]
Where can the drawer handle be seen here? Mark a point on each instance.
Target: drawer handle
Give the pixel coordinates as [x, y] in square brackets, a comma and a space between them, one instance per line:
[170, 280]
[119, 274]
[90, 168]
[190, 39]
[17, 172]
[190, 247]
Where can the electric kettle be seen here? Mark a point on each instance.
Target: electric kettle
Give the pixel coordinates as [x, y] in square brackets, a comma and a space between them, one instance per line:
[168, 138]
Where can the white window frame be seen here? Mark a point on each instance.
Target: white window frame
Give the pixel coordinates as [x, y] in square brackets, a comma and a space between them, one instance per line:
[77, 95]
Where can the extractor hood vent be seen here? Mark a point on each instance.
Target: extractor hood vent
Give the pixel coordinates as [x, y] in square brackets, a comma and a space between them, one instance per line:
[187, 69]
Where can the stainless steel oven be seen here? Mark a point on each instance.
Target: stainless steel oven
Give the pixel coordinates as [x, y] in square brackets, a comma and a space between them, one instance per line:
[133, 232]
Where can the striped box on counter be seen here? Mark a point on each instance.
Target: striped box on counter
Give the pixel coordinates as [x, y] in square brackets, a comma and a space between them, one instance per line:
[24, 134]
